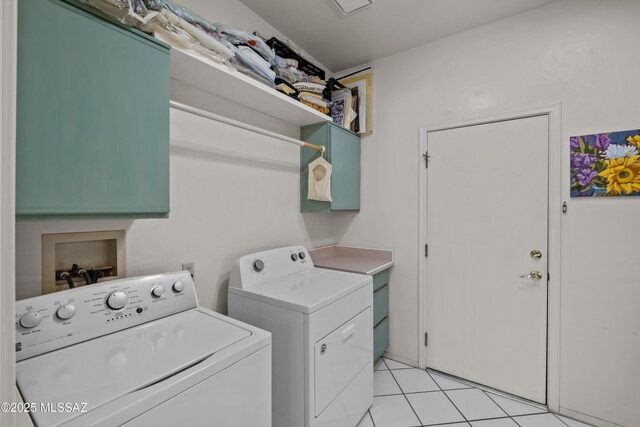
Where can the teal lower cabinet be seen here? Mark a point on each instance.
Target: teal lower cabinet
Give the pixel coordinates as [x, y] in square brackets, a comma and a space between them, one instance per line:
[380, 313]
[380, 338]
[92, 116]
[381, 279]
[343, 152]
[380, 304]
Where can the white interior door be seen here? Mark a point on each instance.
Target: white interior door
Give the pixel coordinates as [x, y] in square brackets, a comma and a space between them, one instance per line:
[487, 196]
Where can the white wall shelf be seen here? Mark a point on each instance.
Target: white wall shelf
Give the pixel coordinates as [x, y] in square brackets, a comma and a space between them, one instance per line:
[200, 72]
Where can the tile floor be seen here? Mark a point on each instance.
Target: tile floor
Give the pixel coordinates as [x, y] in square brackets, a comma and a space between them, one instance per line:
[409, 397]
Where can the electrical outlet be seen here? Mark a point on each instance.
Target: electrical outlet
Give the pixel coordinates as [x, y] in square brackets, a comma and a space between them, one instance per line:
[190, 267]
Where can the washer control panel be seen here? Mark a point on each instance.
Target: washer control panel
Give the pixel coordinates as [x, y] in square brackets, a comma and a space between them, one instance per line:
[262, 266]
[64, 318]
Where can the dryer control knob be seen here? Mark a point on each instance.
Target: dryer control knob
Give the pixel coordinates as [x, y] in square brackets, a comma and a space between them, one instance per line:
[178, 286]
[294, 257]
[302, 255]
[30, 320]
[157, 291]
[66, 311]
[116, 300]
[258, 265]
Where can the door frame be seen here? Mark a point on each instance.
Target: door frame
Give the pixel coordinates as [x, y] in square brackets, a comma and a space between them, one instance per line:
[553, 112]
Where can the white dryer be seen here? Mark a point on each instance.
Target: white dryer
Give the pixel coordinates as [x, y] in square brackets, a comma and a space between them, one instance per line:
[321, 325]
[140, 352]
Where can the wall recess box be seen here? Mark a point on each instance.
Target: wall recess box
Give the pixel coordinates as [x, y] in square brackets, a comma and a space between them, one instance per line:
[100, 253]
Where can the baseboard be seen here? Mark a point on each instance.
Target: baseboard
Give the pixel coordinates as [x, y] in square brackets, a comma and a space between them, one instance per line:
[596, 422]
[400, 359]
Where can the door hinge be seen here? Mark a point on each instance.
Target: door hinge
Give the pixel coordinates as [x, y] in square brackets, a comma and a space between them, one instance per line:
[426, 339]
[426, 157]
[548, 277]
[426, 251]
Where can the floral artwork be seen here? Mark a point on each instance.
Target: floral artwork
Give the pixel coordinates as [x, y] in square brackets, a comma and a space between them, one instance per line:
[605, 164]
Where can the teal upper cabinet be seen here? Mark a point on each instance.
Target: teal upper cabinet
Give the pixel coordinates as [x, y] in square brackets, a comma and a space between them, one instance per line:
[92, 116]
[343, 152]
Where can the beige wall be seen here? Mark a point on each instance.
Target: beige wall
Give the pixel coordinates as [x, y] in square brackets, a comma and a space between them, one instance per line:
[584, 55]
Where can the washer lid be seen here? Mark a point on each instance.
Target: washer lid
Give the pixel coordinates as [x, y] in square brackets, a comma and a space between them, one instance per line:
[101, 370]
[306, 291]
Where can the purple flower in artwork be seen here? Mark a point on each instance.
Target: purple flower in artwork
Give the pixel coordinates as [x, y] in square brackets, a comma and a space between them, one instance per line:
[602, 141]
[574, 142]
[582, 161]
[585, 177]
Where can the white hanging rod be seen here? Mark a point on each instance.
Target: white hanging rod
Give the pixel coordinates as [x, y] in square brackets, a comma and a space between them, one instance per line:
[240, 125]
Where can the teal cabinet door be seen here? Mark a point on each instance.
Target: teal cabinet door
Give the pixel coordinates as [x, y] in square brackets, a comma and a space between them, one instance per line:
[345, 159]
[380, 312]
[343, 152]
[92, 116]
[380, 338]
[380, 304]
[318, 135]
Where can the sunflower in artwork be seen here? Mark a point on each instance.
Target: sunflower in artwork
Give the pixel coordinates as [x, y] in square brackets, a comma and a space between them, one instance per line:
[622, 175]
[605, 164]
[634, 140]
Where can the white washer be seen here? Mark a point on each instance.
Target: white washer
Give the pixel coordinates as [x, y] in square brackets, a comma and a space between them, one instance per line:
[140, 352]
[321, 321]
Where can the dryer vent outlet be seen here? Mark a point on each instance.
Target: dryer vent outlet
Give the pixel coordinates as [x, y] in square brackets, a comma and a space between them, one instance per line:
[190, 267]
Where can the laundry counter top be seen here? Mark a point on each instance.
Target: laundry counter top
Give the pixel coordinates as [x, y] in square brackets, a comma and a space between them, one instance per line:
[352, 259]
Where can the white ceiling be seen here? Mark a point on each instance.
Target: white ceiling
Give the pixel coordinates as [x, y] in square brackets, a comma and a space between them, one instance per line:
[340, 42]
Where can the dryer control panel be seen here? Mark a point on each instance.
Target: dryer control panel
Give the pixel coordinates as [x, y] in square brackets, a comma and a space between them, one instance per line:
[53, 321]
[268, 265]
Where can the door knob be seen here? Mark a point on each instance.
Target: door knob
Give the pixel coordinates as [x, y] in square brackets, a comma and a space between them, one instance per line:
[534, 275]
[536, 254]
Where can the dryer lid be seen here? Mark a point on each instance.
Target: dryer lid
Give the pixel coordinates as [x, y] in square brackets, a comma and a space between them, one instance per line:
[106, 368]
[306, 291]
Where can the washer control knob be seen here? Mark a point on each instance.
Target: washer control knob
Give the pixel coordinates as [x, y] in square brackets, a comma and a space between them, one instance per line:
[302, 255]
[157, 291]
[258, 265]
[30, 320]
[178, 286]
[66, 311]
[116, 300]
[294, 257]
